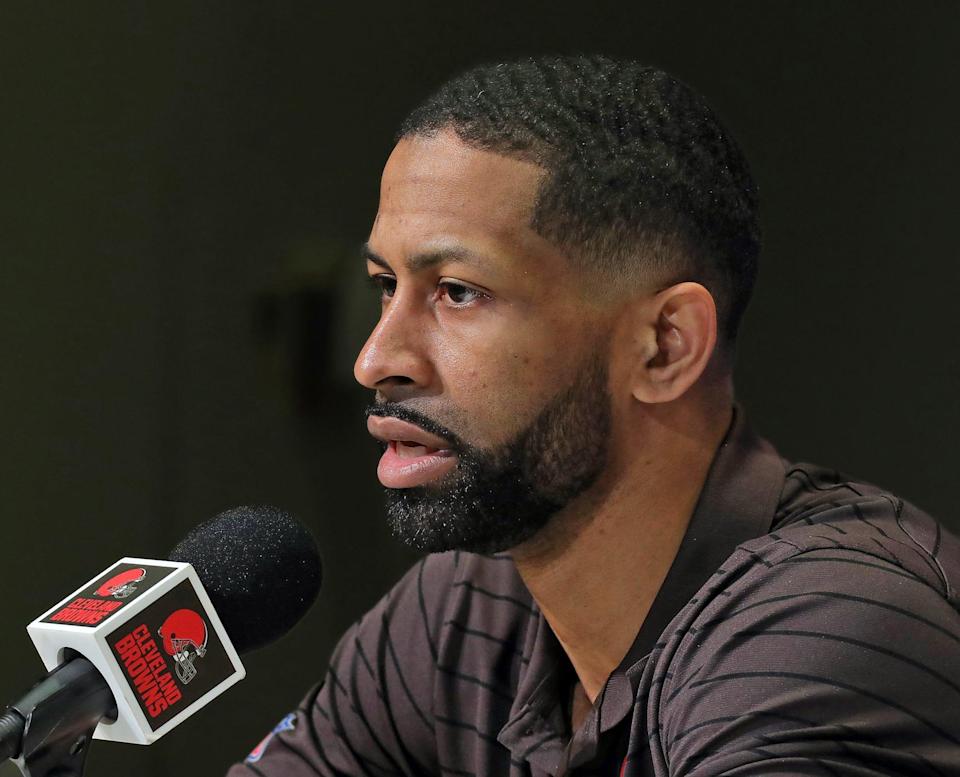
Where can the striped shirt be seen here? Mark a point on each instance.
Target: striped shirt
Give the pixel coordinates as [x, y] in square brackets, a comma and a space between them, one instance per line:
[808, 625]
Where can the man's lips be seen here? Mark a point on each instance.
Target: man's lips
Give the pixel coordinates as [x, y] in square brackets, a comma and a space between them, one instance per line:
[386, 429]
[413, 456]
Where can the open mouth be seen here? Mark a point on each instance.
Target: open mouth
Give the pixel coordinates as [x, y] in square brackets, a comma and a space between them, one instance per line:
[408, 449]
[413, 456]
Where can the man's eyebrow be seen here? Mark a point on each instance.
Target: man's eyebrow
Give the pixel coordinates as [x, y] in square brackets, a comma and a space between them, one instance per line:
[372, 256]
[430, 258]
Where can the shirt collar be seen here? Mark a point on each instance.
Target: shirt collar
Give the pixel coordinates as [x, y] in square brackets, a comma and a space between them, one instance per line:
[736, 504]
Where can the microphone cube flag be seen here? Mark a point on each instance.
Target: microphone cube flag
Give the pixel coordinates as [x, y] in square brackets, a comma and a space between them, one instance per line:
[150, 629]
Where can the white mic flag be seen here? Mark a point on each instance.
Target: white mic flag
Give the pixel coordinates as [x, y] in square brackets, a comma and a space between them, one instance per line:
[151, 631]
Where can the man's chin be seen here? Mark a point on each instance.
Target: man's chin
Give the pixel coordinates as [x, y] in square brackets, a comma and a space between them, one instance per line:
[434, 520]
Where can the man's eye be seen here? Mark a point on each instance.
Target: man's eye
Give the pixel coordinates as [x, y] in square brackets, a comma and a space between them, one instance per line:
[386, 284]
[459, 294]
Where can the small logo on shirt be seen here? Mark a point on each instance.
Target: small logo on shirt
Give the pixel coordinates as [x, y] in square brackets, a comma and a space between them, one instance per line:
[289, 723]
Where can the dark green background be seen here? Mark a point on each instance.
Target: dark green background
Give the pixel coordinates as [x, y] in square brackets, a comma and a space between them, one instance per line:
[184, 186]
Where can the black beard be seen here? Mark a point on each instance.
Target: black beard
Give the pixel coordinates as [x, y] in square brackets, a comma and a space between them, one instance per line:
[496, 499]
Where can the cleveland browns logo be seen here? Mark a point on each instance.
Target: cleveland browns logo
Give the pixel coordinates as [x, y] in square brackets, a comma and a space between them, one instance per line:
[184, 635]
[121, 585]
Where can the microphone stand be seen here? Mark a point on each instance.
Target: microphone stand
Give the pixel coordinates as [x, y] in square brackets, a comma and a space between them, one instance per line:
[48, 732]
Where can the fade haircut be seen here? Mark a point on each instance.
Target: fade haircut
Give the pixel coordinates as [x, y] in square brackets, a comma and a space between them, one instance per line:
[641, 179]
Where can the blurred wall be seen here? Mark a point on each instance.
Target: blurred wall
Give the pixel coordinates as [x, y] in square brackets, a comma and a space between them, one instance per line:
[184, 188]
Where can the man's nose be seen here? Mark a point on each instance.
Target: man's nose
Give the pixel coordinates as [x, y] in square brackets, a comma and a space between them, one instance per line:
[394, 354]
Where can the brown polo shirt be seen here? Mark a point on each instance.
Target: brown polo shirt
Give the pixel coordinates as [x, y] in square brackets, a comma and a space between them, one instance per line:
[808, 625]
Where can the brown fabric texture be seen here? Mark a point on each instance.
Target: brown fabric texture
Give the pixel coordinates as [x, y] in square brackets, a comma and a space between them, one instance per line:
[808, 626]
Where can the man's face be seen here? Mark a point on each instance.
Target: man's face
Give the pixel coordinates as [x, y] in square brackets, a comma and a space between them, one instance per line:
[489, 361]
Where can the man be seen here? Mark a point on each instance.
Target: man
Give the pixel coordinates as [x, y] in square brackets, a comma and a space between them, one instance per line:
[624, 579]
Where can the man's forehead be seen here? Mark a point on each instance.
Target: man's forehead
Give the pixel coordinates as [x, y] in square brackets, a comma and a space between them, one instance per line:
[440, 176]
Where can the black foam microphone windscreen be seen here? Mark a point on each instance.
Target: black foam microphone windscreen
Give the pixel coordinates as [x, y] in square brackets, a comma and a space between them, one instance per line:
[260, 567]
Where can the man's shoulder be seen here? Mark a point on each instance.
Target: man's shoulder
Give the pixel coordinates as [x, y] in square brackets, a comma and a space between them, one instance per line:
[833, 519]
[842, 619]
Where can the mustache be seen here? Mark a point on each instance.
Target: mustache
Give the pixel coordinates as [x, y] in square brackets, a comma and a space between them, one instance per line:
[404, 413]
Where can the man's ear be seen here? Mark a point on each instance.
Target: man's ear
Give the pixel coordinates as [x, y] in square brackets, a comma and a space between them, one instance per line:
[679, 338]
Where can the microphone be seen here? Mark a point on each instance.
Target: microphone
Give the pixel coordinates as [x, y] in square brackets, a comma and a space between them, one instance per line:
[147, 643]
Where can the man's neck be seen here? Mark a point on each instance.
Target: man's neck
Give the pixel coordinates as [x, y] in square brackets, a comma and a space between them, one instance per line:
[597, 572]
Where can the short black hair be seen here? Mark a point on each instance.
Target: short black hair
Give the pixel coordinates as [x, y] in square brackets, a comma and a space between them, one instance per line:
[640, 173]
